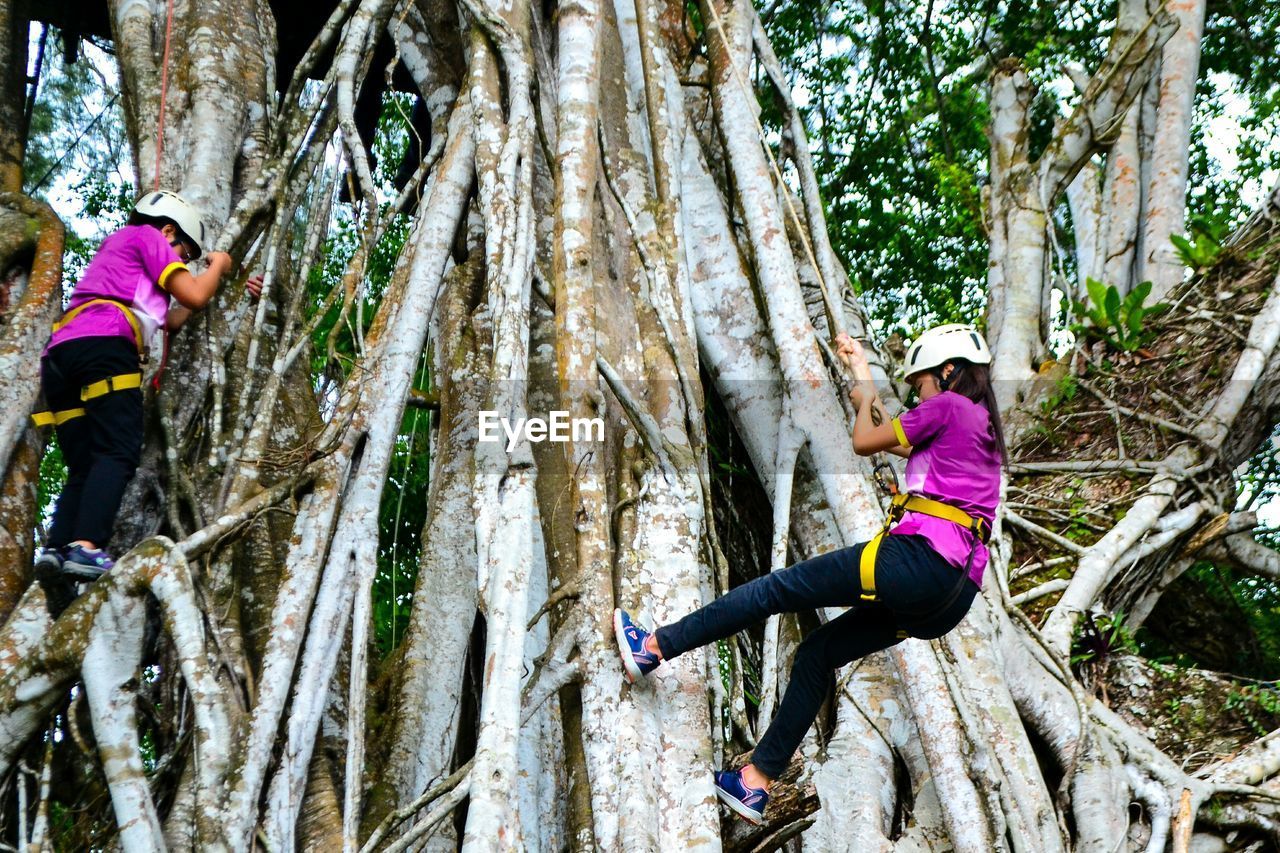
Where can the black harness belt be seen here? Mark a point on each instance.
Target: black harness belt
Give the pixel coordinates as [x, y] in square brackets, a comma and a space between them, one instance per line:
[902, 504]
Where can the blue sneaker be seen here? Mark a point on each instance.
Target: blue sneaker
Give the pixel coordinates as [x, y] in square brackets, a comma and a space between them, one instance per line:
[86, 564]
[637, 661]
[748, 802]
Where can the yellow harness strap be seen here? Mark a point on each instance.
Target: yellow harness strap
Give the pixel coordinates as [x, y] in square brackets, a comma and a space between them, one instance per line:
[901, 505]
[119, 382]
[124, 309]
[42, 419]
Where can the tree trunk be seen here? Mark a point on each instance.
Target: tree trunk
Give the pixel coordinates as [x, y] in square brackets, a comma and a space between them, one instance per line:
[596, 228]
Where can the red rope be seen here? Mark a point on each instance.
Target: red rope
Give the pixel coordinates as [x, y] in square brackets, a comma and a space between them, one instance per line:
[164, 89]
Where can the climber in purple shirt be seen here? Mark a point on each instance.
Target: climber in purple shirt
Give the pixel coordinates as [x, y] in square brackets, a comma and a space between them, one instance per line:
[91, 373]
[917, 578]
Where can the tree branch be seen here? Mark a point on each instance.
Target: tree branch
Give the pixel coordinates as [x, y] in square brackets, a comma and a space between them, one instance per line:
[1120, 78]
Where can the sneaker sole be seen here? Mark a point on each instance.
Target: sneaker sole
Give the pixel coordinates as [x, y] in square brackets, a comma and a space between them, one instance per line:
[48, 563]
[82, 572]
[48, 570]
[747, 814]
[629, 666]
[59, 590]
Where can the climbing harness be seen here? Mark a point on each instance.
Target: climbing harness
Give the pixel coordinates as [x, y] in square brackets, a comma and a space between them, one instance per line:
[903, 504]
[124, 309]
[119, 382]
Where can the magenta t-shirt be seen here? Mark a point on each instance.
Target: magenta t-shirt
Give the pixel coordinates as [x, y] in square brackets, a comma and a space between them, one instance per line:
[954, 459]
[131, 266]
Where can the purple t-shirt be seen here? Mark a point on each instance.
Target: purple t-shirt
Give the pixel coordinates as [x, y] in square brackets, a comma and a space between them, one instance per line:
[953, 459]
[131, 266]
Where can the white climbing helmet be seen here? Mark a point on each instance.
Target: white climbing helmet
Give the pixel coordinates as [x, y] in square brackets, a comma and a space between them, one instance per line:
[167, 205]
[941, 344]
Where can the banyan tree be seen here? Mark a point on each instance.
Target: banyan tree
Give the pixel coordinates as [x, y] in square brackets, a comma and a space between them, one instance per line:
[612, 210]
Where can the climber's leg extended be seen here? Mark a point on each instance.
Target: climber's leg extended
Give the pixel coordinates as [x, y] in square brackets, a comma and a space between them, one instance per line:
[829, 580]
[852, 635]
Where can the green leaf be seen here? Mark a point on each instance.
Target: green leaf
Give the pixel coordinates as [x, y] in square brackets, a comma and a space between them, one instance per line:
[1185, 250]
[1097, 291]
[1112, 304]
[1134, 320]
[1139, 293]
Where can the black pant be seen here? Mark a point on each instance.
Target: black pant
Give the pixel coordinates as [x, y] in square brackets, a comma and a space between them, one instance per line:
[102, 447]
[919, 594]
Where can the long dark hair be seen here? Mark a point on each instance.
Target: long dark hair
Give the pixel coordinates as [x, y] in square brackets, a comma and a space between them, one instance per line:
[974, 381]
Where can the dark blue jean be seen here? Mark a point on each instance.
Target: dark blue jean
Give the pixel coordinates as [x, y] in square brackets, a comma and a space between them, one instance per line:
[919, 594]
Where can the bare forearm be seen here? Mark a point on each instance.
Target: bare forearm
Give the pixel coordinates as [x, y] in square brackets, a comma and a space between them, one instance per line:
[879, 417]
[208, 282]
[870, 413]
[872, 431]
[195, 291]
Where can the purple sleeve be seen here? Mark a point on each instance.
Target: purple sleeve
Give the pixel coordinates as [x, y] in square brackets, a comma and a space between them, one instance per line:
[159, 259]
[926, 420]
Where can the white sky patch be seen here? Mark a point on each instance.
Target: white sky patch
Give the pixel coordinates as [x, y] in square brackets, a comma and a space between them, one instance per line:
[61, 192]
[1223, 135]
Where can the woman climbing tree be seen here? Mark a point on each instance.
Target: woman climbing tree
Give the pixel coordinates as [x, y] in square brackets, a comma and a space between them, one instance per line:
[91, 373]
[916, 578]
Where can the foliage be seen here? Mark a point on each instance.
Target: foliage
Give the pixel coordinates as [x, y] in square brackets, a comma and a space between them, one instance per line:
[335, 350]
[894, 98]
[403, 509]
[77, 125]
[1096, 639]
[334, 338]
[104, 207]
[1205, 245]
[1259, 483]
[1255, 702]
[1250, 601]
[1064, 390]
[53, 476]
[400, 521]
[1119, 321]
[898, 159]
